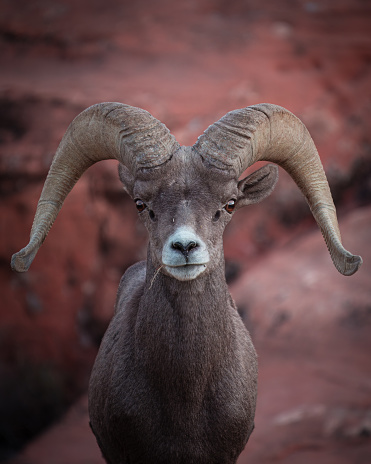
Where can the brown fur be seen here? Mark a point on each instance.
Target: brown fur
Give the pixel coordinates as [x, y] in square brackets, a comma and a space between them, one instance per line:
[176, 376]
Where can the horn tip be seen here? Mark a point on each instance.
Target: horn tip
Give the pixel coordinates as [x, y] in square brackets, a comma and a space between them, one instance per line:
[22, 260]
[351, 264]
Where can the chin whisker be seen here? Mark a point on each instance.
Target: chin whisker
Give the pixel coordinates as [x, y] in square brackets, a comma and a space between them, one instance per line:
[155, 275]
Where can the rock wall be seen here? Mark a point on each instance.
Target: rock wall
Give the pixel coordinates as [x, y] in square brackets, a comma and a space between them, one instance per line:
[311, 328]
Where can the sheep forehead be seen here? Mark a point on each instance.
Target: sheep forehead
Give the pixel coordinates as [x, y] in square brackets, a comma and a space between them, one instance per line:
[184, 177]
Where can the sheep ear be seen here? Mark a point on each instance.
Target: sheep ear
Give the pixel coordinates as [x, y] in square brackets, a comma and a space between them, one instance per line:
[257, 185]
[127, 179]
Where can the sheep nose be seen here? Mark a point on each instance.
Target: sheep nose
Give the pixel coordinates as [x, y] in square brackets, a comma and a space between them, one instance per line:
[184, 248]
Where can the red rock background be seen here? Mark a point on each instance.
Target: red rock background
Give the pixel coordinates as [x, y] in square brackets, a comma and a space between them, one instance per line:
[188, 63]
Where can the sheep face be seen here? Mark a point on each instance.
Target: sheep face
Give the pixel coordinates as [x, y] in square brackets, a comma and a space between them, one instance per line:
[185, 206]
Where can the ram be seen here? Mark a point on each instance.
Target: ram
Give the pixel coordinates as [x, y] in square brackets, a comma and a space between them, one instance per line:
[175, 379]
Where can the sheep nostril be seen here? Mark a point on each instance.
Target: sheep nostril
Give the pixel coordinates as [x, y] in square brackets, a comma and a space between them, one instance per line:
[184, 248]
[191, 245]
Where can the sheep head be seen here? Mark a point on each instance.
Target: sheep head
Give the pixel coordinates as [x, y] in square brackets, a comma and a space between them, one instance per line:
[186, 195]
[185, 205]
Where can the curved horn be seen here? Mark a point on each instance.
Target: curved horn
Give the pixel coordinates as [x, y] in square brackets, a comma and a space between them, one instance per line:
[268, 132]
[103, 131]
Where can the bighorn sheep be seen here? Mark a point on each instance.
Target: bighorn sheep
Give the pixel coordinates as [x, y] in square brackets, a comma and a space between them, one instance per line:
[176, 375]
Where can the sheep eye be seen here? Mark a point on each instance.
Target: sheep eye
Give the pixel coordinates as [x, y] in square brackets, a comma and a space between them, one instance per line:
[229, 207]
[141, 206]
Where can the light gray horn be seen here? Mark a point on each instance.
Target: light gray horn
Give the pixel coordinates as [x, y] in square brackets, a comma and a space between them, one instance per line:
[103, 131]
[271, 133]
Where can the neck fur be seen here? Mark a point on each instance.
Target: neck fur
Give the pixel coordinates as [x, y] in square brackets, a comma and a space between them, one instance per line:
[185, 325]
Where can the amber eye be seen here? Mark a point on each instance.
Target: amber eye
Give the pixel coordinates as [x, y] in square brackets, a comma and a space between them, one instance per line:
[141, 206]
[229, 207]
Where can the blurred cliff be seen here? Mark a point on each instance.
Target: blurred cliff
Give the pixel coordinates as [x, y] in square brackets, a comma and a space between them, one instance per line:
[188, 63]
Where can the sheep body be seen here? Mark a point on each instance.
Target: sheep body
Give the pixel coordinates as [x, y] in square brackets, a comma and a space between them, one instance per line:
[175, 377]
[194, 404]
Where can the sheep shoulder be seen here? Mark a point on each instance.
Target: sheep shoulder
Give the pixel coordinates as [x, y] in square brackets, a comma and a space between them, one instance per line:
[131, 284]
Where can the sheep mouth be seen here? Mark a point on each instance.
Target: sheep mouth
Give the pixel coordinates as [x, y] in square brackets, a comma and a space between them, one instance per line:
[186, 271]
[186, 264]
